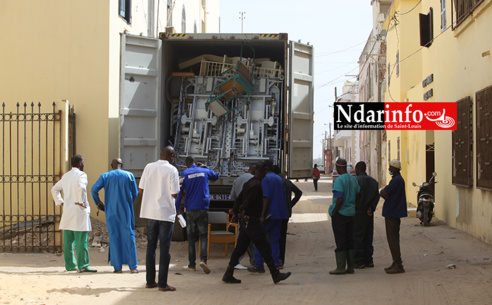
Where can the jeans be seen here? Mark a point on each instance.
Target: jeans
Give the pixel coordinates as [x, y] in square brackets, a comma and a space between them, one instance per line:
[343, 230]
[161, 231]
[272, 228]
[393, 236]
[255, 233]
[315, 181]
[197, 219]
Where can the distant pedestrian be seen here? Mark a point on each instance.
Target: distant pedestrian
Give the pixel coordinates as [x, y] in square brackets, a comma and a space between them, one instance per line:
[197, 203]
[364, 217]
[316, 176]
[394, 208]
[237, 187]
[248, 209]
[342, 211]
[289, 204]
[120, 191]
[159, 185]
[75, 221]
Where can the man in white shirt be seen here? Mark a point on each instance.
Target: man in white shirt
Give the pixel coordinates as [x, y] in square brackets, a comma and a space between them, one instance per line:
[159, 185]
[75, 221]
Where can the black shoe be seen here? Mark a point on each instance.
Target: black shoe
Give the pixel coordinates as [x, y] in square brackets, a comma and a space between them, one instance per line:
[230, 279]
[359, 265]
[280, 277]
[369, 265]
[229, 276]
[397, 268]
[256, 270]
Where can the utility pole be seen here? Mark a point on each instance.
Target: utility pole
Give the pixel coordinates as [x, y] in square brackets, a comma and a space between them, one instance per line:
[331, 152]
[242, 19]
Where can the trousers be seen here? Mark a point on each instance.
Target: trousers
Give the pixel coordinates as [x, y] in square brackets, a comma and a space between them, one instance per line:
[80, 241]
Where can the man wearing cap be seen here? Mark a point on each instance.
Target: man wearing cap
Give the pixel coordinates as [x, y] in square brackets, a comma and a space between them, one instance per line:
[342, 211]
[394, 208]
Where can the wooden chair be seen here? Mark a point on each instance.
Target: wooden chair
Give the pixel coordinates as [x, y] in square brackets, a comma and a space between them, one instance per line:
[222, 235]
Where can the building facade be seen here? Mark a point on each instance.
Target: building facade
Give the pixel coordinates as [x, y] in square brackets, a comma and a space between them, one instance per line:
[439, 51]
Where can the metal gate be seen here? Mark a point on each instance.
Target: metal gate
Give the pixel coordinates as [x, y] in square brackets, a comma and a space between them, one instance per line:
[31, 164]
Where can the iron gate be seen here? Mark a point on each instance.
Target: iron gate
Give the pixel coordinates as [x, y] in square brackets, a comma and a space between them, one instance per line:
[31, 165]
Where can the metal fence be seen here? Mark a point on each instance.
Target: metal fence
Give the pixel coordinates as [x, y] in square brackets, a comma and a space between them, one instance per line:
[31, 164]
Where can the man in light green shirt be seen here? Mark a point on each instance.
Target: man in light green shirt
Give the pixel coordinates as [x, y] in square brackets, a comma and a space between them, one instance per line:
[342, 211]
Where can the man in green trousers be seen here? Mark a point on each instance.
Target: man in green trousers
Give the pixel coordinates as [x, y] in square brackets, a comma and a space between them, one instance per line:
[75, 221]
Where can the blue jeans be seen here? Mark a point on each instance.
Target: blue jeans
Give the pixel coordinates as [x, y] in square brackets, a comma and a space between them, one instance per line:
[161, 231]
[272, 229]
[197, 219]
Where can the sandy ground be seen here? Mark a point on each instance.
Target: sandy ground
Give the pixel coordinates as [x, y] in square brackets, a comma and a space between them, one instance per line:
[443, 266]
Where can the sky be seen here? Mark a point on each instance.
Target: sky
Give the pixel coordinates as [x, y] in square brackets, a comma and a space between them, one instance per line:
[337, 29]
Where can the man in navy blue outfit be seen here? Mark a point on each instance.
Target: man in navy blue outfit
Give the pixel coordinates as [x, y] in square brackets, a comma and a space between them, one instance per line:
[394, 208]
[197, 202]
[274, 211]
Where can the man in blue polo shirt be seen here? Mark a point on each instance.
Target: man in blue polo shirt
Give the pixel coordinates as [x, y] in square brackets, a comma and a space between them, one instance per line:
[394, 208]
[197, 202]
[274, 211]
[342, 212]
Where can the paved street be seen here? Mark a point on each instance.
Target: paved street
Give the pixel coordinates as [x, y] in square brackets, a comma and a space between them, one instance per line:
[443, 266]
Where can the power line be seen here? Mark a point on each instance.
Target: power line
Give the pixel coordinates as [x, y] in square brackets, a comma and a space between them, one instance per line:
[330, 53]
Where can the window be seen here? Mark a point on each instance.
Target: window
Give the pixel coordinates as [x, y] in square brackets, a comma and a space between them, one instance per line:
[443, 15]
[426, 29]
[484, 138]
[462, 145]
[125, 10]
[465, 8]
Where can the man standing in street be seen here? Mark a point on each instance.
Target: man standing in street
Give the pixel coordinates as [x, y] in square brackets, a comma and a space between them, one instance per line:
[248, 208]
[342, 211]
[394, 208]
[197, 202]
[289, 188]
[364, 217]
[75, 221]
[120, 191]
[159, 186]
[274, 211]
[237, 187]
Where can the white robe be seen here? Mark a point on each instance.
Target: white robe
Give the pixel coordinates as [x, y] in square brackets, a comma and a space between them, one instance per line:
[74, 186]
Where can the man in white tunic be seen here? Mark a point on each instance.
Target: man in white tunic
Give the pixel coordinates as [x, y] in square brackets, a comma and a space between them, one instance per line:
[75, 221]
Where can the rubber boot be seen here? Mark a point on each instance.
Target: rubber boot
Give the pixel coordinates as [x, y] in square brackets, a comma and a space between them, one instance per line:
[229, 276]
[278, 276]
[350, 261]
[341, 257]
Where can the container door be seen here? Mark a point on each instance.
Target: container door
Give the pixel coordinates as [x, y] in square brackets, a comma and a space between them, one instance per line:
[300, 111]
[140, 101]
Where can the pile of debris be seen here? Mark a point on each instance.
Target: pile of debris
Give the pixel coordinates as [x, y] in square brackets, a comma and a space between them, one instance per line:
[99, 237]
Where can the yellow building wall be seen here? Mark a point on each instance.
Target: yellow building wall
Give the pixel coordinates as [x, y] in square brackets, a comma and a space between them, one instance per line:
[459, 63]
[472, 72]
[59, 50]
